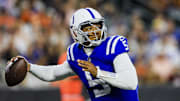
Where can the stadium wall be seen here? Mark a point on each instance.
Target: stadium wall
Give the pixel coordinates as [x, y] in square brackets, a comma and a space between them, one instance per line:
[146, 93]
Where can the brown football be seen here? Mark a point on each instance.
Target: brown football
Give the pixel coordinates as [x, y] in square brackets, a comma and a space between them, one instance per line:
[16, 71]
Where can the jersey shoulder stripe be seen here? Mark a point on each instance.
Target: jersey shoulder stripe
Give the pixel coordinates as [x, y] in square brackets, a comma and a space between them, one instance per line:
[109, 44]
[114, 44]
[71, 54]
[68, 50]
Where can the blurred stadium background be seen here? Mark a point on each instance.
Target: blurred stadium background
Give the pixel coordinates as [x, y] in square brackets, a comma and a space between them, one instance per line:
[38, 30]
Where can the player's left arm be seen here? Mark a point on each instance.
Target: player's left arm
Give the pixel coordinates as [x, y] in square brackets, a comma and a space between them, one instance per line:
[124, 77]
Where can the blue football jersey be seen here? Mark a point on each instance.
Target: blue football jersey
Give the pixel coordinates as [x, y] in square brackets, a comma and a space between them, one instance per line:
[102, 56]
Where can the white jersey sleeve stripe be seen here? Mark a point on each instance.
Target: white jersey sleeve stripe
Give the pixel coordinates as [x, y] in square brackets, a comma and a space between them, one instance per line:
[108, 45]
[114, 45]
[71, 51]
[68, 57]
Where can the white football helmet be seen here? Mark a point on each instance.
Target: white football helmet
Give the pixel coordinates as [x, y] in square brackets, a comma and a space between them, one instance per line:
[83, 17]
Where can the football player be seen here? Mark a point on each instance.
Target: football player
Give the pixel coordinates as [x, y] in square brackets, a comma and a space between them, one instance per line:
[101, 62]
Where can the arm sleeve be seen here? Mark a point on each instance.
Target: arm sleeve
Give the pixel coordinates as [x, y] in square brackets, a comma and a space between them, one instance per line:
[51, 73]
[125, 76]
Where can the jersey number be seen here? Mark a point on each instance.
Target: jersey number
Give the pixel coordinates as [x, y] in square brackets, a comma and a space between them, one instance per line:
[124, 42]
[92, 83]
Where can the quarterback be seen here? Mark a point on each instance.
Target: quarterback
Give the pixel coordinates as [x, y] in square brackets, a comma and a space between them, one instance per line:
[101, 62]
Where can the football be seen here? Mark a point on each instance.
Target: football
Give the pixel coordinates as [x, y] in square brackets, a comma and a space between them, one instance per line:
[16, 71]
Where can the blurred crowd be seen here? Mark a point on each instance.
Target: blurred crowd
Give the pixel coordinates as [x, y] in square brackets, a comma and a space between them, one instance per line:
[39, 31]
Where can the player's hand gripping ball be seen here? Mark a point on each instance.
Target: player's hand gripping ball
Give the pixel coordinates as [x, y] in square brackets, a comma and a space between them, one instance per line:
[16, 71]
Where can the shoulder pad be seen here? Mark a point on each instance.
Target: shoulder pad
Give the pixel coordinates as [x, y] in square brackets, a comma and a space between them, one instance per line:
[117, 45]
